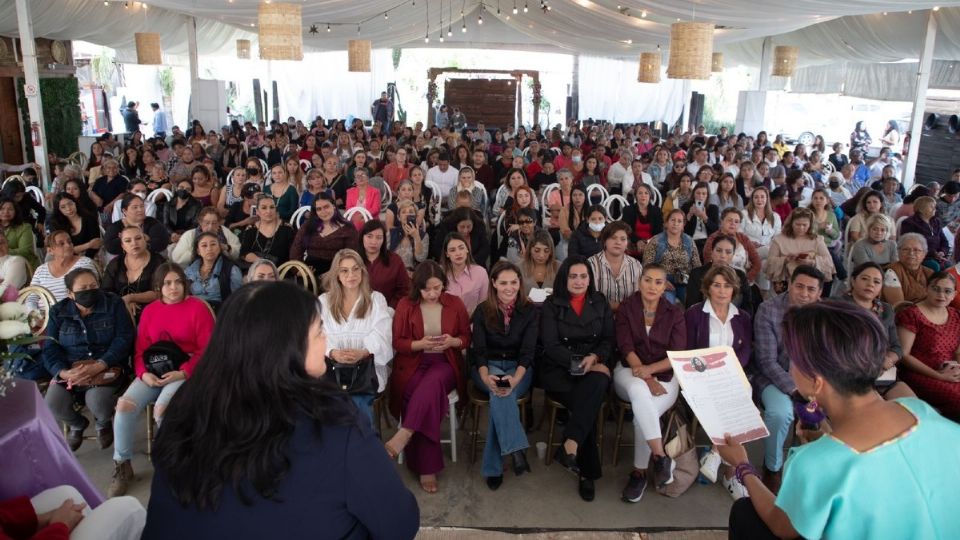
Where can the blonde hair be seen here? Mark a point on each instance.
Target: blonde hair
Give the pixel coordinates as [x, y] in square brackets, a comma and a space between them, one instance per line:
[334, 289]
[920, 202]
[879, 219]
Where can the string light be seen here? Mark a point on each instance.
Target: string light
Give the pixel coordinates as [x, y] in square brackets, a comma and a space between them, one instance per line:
[328, 27]
[386, 15]
[643, 14]
[514, 7]
[525, 8]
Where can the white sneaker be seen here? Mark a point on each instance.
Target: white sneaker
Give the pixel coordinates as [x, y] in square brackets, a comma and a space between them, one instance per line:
[709, 465]
[734, 487]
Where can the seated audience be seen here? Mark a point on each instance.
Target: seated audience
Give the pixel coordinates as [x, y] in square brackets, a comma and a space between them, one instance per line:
[171, 337]
[702, 217]
[91, 338]
[876, 246]
[388, 273]
[62, 260]
[130, 276]
[21, 240]
[218, 477]
[647, 326]
[675, 252]
[906, 279]
[539, 268]
[183, 213]
[268, 238]
[644, 219]
[837, 352]
[430, 329]
[208, 221]
[134, 215]
[721, 254]
[576, 330]
[358, 324]
[83, 228]
[771, 366]
[364, 195]
[465, 279]
[930, 336]
[322, 235]
[408, 238]
[745, 256]
[925, 222]
[505, 330]
[615, 273]
[760, 223]
[213, 276]
[585, 240]
[797, 245]
[262, 270]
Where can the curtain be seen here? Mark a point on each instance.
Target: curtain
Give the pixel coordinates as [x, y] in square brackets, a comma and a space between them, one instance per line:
[609, 90]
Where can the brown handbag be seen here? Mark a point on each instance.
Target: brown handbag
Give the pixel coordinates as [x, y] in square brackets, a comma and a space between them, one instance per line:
[107, 377]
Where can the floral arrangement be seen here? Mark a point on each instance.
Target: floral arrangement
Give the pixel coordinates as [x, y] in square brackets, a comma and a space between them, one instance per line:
[16, 322]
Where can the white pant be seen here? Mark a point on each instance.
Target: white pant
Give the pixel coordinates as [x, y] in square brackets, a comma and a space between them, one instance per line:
[119, 518]
[647, 409]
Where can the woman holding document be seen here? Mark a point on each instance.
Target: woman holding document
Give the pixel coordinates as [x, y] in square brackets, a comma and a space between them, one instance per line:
[648, 325]
[880, 473]
[716, 322]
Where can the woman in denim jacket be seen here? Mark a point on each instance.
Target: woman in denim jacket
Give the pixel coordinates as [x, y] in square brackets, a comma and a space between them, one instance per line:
[87, 325]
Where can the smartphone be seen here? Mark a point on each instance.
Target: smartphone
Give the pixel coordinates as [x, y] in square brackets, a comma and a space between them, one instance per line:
[253, 211]
[699, 204]
[503, 383]
[576, 369]
[411, 220]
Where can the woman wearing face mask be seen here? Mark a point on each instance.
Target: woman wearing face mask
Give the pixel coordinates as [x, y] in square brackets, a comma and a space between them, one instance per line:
[585, 241]
[233, 156]
[135, 215]
[184, 213]
[84, 229]
[175, 317]
[430, 329]
[129, 275]
[89, 324]
[866, 284]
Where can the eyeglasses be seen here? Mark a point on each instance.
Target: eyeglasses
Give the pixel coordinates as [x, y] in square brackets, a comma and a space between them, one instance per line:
[912, 250]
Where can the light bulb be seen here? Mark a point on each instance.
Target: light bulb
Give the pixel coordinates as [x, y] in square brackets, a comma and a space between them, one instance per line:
[643, 14]
[480, 19]
[426, 39]
[328, 27]
[441, 37]
[525, 8]
[514, 9]
[449, 31]
[386, 15]
[464, 28]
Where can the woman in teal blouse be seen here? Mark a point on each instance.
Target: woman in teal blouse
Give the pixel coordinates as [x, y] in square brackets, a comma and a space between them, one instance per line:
[884, 469]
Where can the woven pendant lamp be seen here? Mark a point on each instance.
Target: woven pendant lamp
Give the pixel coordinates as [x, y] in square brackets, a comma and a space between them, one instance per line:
[281, 31]
[148, 48]
[358, 55]
[716, 65]
[649, 67]
[691, 50]
[243, 49]
[785, 60]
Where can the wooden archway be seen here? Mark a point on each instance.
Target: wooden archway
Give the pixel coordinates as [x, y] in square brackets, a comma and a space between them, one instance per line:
[516, 74]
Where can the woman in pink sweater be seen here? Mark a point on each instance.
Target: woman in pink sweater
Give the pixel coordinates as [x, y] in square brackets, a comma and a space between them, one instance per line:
[176, 326]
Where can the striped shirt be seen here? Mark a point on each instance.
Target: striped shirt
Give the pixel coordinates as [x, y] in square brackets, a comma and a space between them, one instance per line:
[615, 288]
[55, 285]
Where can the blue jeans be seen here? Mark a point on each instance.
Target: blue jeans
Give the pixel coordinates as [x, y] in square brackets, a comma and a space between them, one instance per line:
[124, 422]
[364, 403]
[777, 415]
[505, 433]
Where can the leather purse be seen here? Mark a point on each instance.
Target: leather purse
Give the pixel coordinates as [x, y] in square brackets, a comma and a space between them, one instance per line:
[106, 377]
[359, 378]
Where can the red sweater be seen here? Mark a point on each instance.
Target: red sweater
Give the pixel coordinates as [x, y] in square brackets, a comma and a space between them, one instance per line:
[18, 520]
[392, 281]
[188, 324]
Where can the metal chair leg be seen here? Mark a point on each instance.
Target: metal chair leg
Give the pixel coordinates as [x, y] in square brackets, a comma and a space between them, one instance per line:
[553, 423]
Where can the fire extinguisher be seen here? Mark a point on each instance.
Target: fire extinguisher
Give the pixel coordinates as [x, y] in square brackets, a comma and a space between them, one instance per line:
[35, 132]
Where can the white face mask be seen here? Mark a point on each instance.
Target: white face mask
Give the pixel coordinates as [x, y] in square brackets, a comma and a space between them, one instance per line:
[597, 227]
[577, 159]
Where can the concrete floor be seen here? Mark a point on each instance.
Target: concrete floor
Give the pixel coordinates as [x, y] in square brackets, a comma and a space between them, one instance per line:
[542, 501]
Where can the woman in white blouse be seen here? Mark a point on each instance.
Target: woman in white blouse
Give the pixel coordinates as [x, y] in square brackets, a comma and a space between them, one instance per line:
[357, 321]
[760, 223]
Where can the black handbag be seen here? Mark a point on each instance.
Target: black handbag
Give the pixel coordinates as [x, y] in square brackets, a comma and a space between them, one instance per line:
[163, 357]
[359, 378]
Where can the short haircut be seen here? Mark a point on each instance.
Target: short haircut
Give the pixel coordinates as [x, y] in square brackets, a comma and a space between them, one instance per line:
[878, 219]
[48, 243]
[924, 202]
[612, 228]
[724, 271]
[915, 237]
[730, 210]
[809, 271]
[422, 273]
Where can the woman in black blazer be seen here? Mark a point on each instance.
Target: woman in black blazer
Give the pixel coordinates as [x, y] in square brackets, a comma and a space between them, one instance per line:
[703, 218]
[505, 330]
[577, 334]
[719, 287]
[301, 449]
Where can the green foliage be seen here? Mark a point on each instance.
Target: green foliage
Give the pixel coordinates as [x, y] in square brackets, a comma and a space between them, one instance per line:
[397, 51]
[102, 69]
[61, 115]
[167, 81]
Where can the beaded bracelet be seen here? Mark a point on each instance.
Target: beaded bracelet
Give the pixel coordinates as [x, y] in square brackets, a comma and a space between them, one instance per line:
[743, 470]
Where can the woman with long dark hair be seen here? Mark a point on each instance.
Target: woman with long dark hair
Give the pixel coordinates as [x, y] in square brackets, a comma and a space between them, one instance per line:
[578, 338]
[324, 233]
[83, 227]
[388, 273]
[246, 434]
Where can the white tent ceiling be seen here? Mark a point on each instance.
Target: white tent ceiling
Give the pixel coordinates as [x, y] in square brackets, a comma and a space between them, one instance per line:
[826, 30]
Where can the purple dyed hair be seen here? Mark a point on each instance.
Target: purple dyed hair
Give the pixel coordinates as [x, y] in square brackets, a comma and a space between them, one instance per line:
[840, 341]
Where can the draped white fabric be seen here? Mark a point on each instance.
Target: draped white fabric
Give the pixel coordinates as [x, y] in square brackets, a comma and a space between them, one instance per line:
[893, 82]
[609, 90]
[826, 30]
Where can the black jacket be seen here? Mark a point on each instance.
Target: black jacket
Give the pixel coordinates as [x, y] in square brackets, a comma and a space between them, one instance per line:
[712, 223]
[744, 300]
[564, 334]
[517, 342]
[159, 236]
[582, 242]
[631, 215]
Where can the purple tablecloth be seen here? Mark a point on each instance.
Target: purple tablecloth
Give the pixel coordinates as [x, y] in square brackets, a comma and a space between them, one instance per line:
[33, 453]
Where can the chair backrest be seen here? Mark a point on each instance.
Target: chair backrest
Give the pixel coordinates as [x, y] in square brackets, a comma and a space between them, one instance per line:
[544, 197]
[301, 271]
[608, 205]
[604, 194]
[13, 178]
[38, 300]
[299, 215]
[152, 197]
[35, 192]
[364, 213]
[305, 165]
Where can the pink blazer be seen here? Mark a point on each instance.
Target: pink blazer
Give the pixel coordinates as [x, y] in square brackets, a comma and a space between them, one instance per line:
[371, 203]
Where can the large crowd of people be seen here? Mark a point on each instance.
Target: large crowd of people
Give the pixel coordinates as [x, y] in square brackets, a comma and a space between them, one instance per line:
[570, 260]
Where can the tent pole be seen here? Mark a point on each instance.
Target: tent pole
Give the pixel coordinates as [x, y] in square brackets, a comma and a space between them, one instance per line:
[687, 95]
[31, 75]
[194, 67]
[766, 64]
[920, 101]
